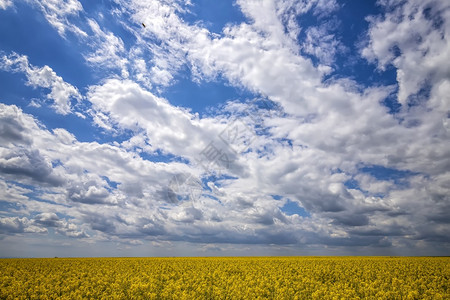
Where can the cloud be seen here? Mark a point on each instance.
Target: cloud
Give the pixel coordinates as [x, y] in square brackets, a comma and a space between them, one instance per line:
[332, 129]
[28, 164]
[412, 32]
[61, 92]
[90, 189]
[17, 160]
[171, 129]
[108, 49]
[14, 225]
[12, 127]
[322, 44]
[47, 219]
[315, 148]
[160, 48]
[13, 193]
[59, 13]
[4, 4]
[84, 183]
[51, 220]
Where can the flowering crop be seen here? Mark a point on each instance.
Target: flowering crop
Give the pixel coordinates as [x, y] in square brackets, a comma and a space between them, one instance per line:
[226, 278]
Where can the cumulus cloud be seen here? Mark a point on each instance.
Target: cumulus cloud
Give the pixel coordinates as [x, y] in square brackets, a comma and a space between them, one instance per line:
[17, 160]
[61, 92]
[171, 129]
[413, 37]
[14, 225]
[85, 186]
[28, 164]
[51, 220]
[318, 147]
[126, 182]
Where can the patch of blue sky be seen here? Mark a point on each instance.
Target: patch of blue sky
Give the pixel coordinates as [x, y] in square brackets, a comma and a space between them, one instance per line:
[392, 103]
[399, 177]
[351, 32]
[21, 95]
[292, 208]
[113, 136]
[104, 13]
[82, 129]
[210, 177]
[159, 156]
[214, 15]
[203, 96]
[17, 92]
[219, 179]
[7, 206]
[266, 105]
[56, 163]
[27, 32]
[352, 184]
[211, 197]
[111, 184]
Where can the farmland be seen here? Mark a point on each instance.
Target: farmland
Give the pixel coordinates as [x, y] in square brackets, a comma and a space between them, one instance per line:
[226, 278]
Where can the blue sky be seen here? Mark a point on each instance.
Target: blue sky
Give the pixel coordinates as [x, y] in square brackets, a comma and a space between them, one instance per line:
[206, 128]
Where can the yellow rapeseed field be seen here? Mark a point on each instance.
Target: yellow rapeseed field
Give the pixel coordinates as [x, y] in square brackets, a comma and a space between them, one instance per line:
[226, 278]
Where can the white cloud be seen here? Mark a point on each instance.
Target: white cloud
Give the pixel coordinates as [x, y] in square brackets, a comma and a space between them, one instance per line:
[319, 141]
[320, 43]
[4, 4]
[85, 167]
[163, 41]
[105, 49]
[331, 127]
[13, 193]
[61, 92]
[108, 49]
[240, 54]
[414, 38]
[58, 13]
[171, 129]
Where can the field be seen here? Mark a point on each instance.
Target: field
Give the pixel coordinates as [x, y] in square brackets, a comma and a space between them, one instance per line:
[226, 278]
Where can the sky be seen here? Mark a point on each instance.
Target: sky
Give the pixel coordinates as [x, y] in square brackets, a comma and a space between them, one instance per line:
[224, 128]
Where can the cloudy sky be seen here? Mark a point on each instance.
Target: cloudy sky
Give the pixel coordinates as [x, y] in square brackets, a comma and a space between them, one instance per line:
[246, 127]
